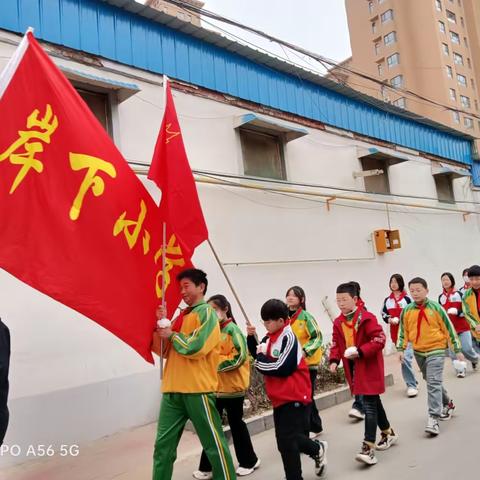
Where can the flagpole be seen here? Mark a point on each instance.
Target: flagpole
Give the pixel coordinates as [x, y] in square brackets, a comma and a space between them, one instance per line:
[164, 246]
[222, 268]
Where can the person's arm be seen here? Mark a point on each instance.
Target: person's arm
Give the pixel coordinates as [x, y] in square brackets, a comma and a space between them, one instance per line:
[285, 364]
[316, 338]
[385, 314]
[467, 312]
[238, 356]
[335, 353]
[202, 340]
[402, 333]
[376, 341]
[449, 329]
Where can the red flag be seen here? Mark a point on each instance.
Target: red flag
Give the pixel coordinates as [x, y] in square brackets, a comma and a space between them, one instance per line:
[75, 221]
[170, 170]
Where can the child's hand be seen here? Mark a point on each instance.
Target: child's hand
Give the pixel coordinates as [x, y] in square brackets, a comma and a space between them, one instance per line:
[333, 367]
[477, 328]
[460, 357]
[452, 311]
[262, 348]
[351, 352]
[394, 320]
[161, 312]
[401, 357]
[251, 330]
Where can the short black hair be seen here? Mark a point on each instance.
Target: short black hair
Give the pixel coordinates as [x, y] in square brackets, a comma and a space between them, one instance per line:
[221, 302]
[274, 309]
[196, 276]
[350, 287]
[465, 271]
[357, 288]
[474, 271]
[419, 280]
[450, 276]
[400, 281]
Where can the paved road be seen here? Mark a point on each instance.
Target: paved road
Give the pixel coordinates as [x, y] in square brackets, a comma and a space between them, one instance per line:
[454, 453]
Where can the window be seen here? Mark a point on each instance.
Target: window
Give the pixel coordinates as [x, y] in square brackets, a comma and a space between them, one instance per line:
[262, 154]
[445, 49]
[462, 80]
[99, 104]
[444, 186]
[468, 122]
[453, 94]
[386, 16]
[400, 102]
[451, 17]
[376, 183]
[380, 69]
[377, 48]
[456, 117]
[370, 7]
[438, 4]
[455, 38]
[390, 38]
[457, 58]
[465, 101]
[441, 26]
[393, 60]
[449, 70]
[385, 95]
[469, 63]
[397, 81]
[374, 27]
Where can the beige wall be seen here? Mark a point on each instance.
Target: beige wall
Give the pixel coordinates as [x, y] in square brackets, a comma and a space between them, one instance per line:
[175, 11]
[422, 61]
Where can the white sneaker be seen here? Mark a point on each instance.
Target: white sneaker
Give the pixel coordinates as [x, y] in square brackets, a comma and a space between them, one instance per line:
[321, 459]
[387, 440]
[432, 426]
[461, 374]
[202, 475]
[412, 392]
[243, 472]
[357, 414]
[366, 455]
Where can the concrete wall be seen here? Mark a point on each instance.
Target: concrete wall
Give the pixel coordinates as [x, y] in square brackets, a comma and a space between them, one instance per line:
[71, 381]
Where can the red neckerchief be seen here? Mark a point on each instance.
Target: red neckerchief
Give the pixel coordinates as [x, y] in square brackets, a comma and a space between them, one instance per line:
[447, 294]
[295, 315]
[421, 316]
[273, 337]
[353, 324]
[225, 323]
[360, 304]
[400, 298]
[178, 322]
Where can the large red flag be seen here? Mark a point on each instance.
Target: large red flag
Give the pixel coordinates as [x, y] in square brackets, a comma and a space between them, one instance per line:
[170, 170]
[75, 221]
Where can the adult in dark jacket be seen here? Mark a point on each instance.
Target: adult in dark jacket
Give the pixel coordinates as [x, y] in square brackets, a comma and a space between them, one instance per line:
[4, 366]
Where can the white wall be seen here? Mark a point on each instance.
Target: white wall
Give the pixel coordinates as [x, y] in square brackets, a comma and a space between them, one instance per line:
[71, 381]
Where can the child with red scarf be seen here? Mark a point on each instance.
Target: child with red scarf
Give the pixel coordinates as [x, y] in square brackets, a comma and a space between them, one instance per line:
[358, 341]
[451, 301]
[392, 309]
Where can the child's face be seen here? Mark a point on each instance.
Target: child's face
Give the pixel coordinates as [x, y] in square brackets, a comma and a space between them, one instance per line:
[418, 292]
[221, 314]
[394, 285]
[273, 326]
[346, 303]
[190, 292]
[475, 282]
[446, 282]
[292, 300]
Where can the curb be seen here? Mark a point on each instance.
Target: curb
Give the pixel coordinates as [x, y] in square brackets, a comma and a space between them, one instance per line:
[263, 422]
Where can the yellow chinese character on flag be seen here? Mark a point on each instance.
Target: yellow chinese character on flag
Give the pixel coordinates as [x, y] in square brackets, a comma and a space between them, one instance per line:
[173, 258]
[23, 150]
[132, 234]
[79, 161]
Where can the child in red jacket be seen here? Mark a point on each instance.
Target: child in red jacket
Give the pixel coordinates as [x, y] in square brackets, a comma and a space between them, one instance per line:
[358, 341]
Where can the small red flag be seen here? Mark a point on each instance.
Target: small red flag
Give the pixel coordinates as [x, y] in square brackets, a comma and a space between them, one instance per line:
[170, 170]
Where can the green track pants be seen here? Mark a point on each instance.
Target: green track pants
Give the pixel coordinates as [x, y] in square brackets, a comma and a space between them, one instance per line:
[175, 410]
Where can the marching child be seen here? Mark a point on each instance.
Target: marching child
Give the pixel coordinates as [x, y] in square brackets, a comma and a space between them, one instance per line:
[233, 381]
[426, 325]
[471, 305]
[287, 381]
[306, 329]
[451, 301]
[392, 309]
[358, 341]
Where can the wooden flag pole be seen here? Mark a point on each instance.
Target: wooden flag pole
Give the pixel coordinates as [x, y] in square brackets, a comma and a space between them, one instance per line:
[229, 283]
